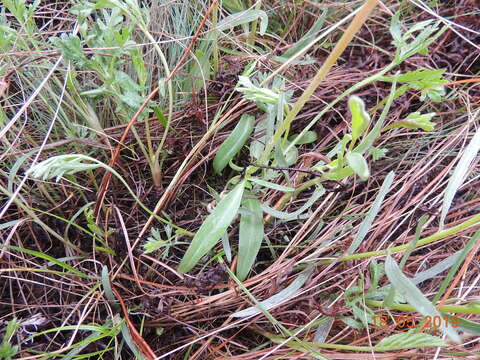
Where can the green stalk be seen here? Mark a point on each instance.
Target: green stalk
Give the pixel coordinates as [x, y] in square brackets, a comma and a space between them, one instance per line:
[253, 31]
[428, 240]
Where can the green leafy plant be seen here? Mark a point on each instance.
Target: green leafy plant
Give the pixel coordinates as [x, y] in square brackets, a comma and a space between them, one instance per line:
[348, 158]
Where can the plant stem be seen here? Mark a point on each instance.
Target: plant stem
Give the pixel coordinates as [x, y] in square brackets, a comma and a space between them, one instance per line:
[475, 220]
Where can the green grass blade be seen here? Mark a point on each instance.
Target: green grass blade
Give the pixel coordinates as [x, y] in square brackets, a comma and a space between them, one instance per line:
[367, 222]
[212, 228]
[462, 254]
[49, 258]
[414, 296]
[459, 174]
[106, 285]
[251, 236]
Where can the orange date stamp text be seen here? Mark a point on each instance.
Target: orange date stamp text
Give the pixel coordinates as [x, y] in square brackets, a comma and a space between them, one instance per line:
[409, 322]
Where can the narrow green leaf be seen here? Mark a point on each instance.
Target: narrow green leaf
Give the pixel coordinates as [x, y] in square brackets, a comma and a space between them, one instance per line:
[295, 214]
[278, 298]
[323, 330]
[308, 37]
[250, 237]
[389, 299]
[457, 178]
[358, 164]
[414, 296]
[409, 340]
[8, 224]
[367, 222]
[106, 285]
[468, 326]
[226, 247]
[212, 228]
[457, 260]
[159, 114]
[271, 185]
[233, 144]
[131, 343]
[360, 118]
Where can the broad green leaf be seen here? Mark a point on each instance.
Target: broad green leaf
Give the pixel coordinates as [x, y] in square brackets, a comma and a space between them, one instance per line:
[367, 222]
[360, 118]
[458, 176]
[212, 228]
[244, 17]
[421, 75]
[414, 296]
[250, 237]
[338, 174]
[415, 40]
[234, 143]
[271, 185]
[233, 5]
[409, 340]
[291, 156]
[359, 165]
[71, 48]
[428, 81]
[284, 295]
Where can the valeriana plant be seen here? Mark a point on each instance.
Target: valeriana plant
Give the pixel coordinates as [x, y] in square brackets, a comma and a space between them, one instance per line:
[275, 149]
